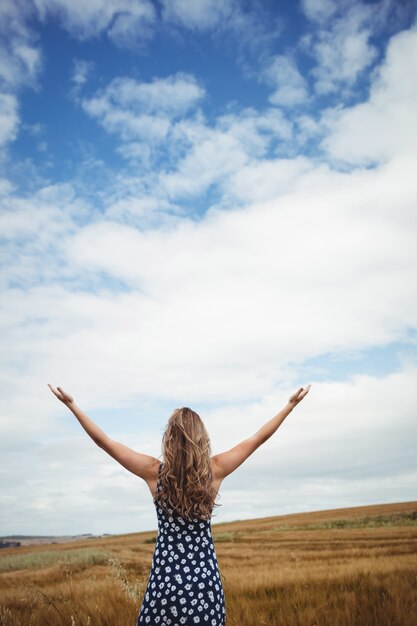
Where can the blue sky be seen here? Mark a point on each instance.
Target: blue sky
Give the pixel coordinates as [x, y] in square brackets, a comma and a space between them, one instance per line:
[207, 204]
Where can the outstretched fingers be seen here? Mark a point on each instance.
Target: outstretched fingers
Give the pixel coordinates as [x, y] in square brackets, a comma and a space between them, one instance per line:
[66, 397]
[58, 395]
[305, 392]
[300, 394]
[61, 394]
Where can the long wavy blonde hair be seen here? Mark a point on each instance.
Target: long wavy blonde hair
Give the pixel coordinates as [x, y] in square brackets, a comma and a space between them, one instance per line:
[186, 480]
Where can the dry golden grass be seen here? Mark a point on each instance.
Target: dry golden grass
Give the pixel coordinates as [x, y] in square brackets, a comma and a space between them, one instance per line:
[344, 567]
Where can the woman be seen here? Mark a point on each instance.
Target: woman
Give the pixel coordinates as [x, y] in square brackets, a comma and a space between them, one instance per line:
[184, 585]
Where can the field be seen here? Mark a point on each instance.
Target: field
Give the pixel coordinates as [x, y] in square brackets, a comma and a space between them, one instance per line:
[343, 567]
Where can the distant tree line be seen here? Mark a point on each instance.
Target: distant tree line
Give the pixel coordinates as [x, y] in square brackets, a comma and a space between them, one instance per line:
[10, 544]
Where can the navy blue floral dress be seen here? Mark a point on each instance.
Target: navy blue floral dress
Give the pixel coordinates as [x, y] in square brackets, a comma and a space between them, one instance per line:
[184, 586]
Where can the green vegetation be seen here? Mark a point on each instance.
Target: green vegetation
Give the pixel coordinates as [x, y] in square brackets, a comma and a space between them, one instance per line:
[230, 536]
[397, 519]
[45, 558]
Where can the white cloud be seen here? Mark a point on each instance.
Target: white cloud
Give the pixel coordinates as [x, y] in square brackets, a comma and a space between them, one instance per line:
[80, 74]
[159, 118]
[6, 187]
[82, 69]
[384, 125]
[133, 28]
[216, 153]
[355, 441]
[210, 310]
[136, 109]
[9, 118]
[143, 211]
[256, 130]
[21, 62]
[33, 230]
[290, 86]
[245, 29]
[319, 10]
[127, 22]
[267, 179]
[154, 118]
[173, 95]
[342, 47]
[20, 66]
[21, 58]
[201, 15]
[214, 157]
[35, 130]
[48, 484]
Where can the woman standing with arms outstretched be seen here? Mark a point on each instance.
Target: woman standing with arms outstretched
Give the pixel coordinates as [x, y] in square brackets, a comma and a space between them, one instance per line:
[184, 586]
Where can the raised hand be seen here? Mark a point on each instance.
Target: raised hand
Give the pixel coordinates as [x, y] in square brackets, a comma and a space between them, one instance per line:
[62, 395]
[298, 395]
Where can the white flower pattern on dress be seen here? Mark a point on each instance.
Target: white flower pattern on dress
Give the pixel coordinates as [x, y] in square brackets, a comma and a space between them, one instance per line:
[184, 586]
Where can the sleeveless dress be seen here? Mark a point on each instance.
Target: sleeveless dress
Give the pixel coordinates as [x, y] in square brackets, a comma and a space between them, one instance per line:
[184, 586]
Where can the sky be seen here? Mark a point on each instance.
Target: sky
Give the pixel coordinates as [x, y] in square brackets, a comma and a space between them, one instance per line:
[207, 204]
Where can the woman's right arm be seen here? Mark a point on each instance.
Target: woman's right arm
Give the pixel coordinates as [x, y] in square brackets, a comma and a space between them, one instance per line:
[227, 462]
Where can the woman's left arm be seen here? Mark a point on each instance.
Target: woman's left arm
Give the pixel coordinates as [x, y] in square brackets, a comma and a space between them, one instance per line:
[141, 465]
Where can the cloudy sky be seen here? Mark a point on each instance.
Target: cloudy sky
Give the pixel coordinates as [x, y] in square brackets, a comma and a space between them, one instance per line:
[207, 204]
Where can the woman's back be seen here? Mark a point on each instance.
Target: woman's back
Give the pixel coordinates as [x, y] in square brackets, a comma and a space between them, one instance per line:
[184, 585]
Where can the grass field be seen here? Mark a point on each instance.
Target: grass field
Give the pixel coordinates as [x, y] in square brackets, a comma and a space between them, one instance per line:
[344, 567]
